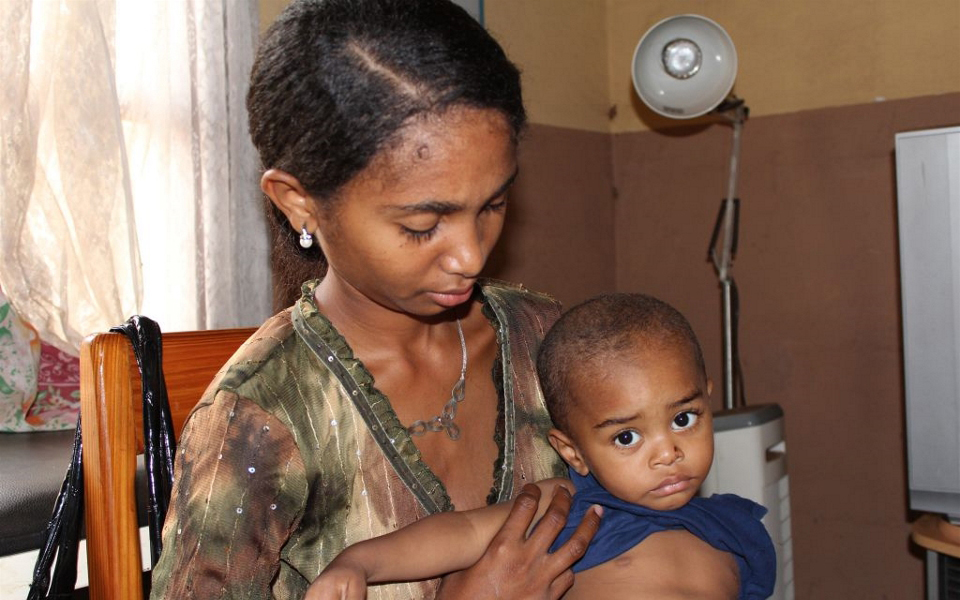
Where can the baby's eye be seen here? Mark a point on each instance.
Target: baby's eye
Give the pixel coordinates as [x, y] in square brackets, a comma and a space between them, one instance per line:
[627, 438]
[685, 420]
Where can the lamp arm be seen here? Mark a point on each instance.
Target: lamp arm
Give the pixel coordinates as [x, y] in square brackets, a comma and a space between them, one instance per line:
[737, 115]
[736, 112]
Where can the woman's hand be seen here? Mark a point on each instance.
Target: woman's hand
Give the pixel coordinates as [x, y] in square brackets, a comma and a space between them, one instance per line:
[339, 581]
[520, 567]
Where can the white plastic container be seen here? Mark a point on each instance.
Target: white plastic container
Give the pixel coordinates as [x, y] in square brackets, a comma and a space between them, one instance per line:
[750, 460]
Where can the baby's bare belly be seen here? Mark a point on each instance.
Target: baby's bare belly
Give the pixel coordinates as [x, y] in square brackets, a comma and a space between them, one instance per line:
[668, 565]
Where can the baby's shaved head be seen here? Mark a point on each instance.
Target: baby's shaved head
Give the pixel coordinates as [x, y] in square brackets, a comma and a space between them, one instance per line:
[605, 327]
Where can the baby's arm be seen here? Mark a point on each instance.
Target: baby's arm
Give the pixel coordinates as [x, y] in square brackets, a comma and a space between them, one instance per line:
[431, 547]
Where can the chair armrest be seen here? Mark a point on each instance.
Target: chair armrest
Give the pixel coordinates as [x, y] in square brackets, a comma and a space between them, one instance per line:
[113, 544]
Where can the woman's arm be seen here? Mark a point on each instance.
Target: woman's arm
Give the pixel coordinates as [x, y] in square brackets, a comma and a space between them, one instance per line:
[238, 495]
[432, 546]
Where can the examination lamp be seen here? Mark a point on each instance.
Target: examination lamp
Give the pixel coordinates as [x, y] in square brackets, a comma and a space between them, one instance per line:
[684, 67]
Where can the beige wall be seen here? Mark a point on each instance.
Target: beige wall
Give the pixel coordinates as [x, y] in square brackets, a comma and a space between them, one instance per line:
[269, 9]
[794, 54]
[561, 46]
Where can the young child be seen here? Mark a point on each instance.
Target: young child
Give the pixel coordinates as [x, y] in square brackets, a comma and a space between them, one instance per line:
[625, 384]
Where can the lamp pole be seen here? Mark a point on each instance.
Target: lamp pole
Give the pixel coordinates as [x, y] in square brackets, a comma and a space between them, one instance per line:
[728, 224]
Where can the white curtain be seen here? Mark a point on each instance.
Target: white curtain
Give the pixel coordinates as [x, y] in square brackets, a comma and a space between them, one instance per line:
[128, 183]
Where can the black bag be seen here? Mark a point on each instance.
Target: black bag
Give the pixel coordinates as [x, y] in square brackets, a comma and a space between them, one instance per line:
[63, 533]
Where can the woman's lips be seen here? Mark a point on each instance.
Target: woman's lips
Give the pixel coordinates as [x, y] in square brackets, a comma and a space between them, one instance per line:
[452, 298]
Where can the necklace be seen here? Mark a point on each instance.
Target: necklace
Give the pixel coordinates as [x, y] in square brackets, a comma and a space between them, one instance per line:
[444, 421]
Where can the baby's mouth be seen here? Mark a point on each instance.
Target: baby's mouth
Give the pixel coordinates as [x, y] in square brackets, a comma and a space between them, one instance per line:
[672, 485]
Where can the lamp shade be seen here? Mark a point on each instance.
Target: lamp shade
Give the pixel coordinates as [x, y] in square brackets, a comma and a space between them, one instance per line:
[684, 66]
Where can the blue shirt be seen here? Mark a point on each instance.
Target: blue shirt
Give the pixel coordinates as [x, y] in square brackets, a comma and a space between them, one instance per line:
[725, 521]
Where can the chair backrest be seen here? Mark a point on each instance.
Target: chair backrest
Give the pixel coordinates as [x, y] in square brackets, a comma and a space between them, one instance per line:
[111, 412]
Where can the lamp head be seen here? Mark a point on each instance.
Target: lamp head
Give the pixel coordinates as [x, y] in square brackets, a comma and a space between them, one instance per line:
[684, 66]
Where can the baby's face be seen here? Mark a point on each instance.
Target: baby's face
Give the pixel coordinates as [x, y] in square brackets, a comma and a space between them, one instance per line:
[643, 427]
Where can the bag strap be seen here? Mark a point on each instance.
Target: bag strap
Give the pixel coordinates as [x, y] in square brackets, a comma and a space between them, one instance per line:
[61, 539]
[160, 446]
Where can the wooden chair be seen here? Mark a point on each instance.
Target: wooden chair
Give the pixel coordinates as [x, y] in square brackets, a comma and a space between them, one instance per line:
[110, 407]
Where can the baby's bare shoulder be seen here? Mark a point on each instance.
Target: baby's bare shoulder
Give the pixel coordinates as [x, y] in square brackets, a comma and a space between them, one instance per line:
[666, 565]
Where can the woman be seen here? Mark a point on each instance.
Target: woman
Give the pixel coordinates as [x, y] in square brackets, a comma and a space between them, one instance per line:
[399, 384]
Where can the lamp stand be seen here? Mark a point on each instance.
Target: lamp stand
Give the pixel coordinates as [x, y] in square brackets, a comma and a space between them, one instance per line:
[725, 232]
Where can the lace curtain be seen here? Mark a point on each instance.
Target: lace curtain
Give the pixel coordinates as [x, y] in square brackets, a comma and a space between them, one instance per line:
[128, 183]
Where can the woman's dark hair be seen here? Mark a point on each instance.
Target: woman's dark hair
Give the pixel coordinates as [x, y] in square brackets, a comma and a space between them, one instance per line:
[601, 328]
[335, 80]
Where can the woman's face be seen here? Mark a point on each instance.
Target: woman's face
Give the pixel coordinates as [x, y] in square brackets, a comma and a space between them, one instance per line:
[413, 230]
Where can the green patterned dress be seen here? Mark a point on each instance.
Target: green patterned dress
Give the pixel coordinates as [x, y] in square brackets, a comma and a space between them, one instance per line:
[292, 454]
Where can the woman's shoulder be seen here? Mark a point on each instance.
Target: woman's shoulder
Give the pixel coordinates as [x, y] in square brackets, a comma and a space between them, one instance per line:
[272, 339]
[263, 353]
[514, 302]
[515, 291]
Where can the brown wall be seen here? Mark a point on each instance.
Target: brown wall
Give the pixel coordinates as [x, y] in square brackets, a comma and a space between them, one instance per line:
[817, 271]
[559, 236]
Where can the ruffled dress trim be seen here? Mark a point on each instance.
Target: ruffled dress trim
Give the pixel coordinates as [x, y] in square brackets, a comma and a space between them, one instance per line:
[333, 351]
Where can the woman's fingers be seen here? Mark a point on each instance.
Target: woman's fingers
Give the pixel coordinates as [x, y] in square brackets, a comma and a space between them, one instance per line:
[519, 566]
[574, 548]
[521, 514]
[553, 520]
[560, 584]
[560, 561]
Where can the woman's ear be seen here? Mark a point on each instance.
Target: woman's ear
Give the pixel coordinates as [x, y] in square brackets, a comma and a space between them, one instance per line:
[287, 193]
[568, 451]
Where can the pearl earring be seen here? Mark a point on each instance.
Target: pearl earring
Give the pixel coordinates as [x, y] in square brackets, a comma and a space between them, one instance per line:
[306, 238]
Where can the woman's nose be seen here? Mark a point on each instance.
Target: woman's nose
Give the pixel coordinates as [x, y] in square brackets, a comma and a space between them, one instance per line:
[466, 254]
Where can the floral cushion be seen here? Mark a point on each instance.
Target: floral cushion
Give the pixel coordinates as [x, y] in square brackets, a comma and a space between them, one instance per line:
[39, 384]
[58, 391]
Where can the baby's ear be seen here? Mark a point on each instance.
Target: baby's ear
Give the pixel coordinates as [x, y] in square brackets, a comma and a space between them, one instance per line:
[568, 451]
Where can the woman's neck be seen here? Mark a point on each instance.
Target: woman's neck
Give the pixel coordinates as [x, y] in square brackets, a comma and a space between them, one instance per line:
[372, 328]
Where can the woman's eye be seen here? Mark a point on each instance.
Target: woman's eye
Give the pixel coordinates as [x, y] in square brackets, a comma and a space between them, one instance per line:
[685, 420]
[496, 205]
[625, 439]
[418, 235]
